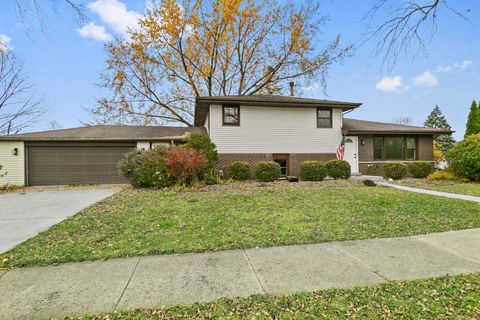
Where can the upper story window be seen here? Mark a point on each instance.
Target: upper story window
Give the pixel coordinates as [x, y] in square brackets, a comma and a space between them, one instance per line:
[394, 148]
[231, 115]
[324, 118]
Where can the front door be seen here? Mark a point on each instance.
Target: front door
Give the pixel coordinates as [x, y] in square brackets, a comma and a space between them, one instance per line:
[282, 160]
[351, 153]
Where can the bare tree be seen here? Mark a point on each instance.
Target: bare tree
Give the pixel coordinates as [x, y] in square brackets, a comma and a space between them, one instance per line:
[54, 125]
[409, 25]
[19, 105]
[26, 9]
[403, 120]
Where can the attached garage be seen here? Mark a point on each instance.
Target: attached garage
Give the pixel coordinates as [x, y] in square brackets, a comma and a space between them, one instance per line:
[86, 155]
[74, 163]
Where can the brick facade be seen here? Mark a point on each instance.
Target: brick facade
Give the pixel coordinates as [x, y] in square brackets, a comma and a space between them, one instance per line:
[369, 166]
[295, 159]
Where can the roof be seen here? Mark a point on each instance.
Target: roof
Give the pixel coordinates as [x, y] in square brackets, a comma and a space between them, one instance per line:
[108, 133]
[202, 103]
[352, 126]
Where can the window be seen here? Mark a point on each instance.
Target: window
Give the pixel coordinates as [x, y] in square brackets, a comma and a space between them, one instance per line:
[394, 148]
[411, 148]
[378, 148]
[231, 115]
[324, 118]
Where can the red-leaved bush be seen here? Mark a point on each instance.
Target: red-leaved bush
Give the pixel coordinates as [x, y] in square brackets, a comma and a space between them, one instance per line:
[185, 165]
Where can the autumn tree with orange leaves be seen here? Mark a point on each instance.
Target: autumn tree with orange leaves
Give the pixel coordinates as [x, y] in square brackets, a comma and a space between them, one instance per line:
[211, 48]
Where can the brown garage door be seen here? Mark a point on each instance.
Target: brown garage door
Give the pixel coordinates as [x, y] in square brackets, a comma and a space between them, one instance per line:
[65, 164]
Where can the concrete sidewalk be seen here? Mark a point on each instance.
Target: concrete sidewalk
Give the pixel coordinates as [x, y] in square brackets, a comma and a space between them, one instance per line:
[432, 192]
[146, 282]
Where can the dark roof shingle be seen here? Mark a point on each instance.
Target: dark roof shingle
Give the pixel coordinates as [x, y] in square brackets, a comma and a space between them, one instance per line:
[108, 133]
[202, 103]
[363, 126]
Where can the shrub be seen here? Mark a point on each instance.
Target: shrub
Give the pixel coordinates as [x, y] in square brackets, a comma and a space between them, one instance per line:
[267, 171]
[203, 144]
[464, 158]
[185, 165]
[338, 169]
[395, 170]
[369, 183]
[145, 168]
[442, 175]
[240, 171]
[2, 174]
[211, 177]
[312, 171]
[420, 169]
[10, 187]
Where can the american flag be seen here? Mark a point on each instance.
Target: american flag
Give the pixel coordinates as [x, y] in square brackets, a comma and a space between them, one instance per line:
[341, 150]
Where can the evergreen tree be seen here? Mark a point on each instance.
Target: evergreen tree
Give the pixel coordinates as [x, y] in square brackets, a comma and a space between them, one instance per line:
[473, 122]
[437, 120]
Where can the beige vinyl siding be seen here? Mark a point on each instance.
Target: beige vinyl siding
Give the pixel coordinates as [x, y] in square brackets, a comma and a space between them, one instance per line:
[13, 165]
[275, 130]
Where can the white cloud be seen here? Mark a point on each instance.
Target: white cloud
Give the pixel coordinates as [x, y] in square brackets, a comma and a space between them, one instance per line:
[390, 84]
[94, 31]
[441, 68]
[5, 43]
[426, 79]
[115, 14]
[312, 87]
[457, 66]
[464, 65]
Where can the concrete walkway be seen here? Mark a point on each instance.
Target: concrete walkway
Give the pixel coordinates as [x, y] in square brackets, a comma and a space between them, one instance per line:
[146, 282]
[25, 214]
[432, 192]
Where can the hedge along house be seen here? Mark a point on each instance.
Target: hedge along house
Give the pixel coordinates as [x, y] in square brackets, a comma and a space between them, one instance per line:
[288, 130]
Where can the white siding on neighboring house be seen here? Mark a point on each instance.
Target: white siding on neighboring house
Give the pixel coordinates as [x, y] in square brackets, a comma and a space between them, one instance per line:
[142, 145]
[275, 130]
[13, 165]
[160, 145]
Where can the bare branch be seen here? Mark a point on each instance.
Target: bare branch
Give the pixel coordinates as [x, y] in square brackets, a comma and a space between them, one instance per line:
[25, 9]
[19, 105]
[410, 24]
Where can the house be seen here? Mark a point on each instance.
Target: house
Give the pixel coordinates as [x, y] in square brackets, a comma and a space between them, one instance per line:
[285, 129]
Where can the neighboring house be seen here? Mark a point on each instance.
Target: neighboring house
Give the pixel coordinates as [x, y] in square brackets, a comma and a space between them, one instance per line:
[288, 130]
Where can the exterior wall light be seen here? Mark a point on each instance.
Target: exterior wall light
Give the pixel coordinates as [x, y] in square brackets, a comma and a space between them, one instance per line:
[362, 142]
[15, 151]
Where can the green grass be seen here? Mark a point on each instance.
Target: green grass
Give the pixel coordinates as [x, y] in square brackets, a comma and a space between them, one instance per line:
[455, 297]
[145, 222]
[468, 188]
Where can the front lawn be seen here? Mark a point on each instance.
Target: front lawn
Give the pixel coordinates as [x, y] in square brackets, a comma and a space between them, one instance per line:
[455, 297]
[468, 188]
[145, 222]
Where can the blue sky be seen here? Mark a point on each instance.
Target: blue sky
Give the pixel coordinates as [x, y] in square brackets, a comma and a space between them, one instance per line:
[64, 62]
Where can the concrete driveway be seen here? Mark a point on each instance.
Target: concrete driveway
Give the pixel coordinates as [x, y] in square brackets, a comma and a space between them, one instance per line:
[25, 214]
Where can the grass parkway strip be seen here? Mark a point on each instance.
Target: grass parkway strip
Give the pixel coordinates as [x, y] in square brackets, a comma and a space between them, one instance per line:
[455, 297]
